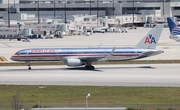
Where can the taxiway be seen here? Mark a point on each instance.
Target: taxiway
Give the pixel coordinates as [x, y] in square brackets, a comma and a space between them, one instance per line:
[164, 75]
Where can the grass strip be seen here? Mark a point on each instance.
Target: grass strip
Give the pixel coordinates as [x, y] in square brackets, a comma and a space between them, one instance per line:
[101, 96]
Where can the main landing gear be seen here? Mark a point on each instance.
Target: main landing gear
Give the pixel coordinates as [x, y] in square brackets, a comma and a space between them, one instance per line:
[29, 65]
[89, 66]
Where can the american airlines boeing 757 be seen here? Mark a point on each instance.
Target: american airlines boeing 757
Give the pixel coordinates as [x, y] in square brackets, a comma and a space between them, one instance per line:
[85, 56]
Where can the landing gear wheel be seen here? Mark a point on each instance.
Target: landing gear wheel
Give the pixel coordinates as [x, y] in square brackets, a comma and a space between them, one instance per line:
[29, 65]
[90, 67]
[29, 68]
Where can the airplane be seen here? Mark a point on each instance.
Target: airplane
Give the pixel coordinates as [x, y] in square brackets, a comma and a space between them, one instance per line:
[85, 56]
[174, 30]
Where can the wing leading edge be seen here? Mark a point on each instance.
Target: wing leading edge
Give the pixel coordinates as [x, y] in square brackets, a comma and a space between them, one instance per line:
[93, 58]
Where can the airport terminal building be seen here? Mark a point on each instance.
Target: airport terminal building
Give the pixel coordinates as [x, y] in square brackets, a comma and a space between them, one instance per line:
[57, 8]
[112, 12]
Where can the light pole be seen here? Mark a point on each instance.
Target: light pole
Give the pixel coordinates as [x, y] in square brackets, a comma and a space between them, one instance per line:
[163, 8]
[39, 104]
[90, 7]
[87, 100]
[133, 12]
[54, 9]
[38, 12]
[65, 11]
[113, 6]
[97, 12]
[8, 16]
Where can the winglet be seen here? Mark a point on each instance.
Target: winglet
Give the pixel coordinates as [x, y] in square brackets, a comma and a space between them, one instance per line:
[99, 45]
[111, 53]
[150, 41]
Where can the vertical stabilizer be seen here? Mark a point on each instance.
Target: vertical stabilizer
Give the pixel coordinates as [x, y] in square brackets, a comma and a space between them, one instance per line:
[150, 41]
[173, 28]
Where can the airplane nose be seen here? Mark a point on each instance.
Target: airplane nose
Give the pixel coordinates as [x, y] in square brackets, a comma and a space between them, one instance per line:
[12, 58]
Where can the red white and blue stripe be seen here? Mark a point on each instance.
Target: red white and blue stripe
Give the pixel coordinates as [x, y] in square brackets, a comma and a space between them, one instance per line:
[93, 54]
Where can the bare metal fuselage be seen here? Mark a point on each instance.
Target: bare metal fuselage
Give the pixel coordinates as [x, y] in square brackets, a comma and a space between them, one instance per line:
[59, 54]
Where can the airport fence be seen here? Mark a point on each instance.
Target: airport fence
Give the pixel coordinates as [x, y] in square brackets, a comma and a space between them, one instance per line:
[129, 106]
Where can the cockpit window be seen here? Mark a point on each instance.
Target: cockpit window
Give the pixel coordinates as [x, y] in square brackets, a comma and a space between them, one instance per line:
[17, 53]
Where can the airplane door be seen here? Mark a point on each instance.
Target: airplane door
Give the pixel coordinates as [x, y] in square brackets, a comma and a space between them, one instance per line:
[58, 57]
[135, 52]
[27, 55]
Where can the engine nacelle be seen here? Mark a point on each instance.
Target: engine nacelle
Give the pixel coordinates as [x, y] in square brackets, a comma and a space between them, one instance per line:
[74, 62]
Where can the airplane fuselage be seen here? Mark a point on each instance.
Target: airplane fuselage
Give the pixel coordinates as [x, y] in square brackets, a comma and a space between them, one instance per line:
[175, 37]
[58, 54]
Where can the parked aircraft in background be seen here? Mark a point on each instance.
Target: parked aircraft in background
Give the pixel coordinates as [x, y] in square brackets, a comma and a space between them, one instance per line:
[174, 30]
[85, 56]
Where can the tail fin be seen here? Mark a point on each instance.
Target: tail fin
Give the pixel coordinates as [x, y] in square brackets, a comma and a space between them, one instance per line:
[173, 28]
[151, 39]
[171, 24]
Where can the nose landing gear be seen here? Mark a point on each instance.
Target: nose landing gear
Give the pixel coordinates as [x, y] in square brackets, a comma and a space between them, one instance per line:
[29, 65]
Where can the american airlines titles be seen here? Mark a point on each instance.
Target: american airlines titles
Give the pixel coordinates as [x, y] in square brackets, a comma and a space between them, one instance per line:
[42, 51]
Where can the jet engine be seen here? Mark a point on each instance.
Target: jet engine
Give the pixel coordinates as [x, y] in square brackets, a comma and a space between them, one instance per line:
[74, 62]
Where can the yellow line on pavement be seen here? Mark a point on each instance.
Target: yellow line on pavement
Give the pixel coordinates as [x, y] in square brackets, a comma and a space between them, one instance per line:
[5, 44]
[3, 59]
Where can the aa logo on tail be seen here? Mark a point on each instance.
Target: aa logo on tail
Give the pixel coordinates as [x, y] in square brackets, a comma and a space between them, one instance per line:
[150, 39]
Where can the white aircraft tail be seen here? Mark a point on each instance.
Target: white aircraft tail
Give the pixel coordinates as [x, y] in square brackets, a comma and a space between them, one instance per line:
[150, 41]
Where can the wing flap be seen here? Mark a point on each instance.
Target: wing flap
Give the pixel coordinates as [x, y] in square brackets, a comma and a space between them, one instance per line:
[85, 58]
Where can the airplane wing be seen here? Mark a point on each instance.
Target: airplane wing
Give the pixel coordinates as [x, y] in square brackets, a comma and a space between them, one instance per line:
[100, 58]
[92, 58]
[85, 58]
